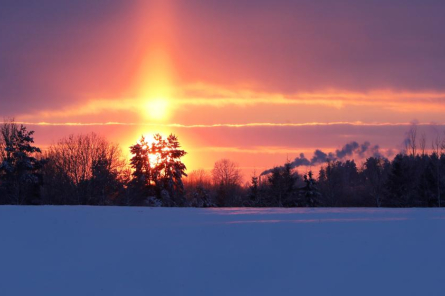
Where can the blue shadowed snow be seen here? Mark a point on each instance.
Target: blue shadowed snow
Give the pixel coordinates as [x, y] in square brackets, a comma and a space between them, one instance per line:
[168, 251]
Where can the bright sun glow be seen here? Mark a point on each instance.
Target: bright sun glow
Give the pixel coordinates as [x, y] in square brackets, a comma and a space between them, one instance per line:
[149, 139]
[156, 85]
[157, 109]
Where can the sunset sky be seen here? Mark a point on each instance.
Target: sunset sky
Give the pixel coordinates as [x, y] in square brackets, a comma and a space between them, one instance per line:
[254, 81]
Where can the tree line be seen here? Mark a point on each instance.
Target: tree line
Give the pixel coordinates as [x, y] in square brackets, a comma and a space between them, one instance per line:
[87, 169]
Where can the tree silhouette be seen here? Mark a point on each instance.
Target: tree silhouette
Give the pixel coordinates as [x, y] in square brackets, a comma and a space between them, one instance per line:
[82, 169]
[158, 169]
[226, 178]
[140, 162]
[19, 167]
[309, 194]
[376, 171]
[283, 183]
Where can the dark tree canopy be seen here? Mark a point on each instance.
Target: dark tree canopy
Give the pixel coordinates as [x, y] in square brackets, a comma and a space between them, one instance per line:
[19, 168]
[158, 169]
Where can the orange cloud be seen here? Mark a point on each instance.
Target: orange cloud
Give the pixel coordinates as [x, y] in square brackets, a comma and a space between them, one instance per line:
[201, 94]
[212, 96]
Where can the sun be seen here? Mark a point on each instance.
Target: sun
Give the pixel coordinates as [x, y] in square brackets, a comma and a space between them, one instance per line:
[153, 158]
[157, 109]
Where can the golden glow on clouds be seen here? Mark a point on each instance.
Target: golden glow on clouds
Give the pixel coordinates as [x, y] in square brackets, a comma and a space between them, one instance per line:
[251, 150]
[156, 76]
[212, 95]
[155, 85]
[158, 101]
[156, 109]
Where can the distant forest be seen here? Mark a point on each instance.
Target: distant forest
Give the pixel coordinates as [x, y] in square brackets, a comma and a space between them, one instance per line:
[86, 169]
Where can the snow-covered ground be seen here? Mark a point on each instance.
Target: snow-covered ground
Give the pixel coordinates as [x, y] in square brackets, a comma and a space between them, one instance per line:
[166, 251]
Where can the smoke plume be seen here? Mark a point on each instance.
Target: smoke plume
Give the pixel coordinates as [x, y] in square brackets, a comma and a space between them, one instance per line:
[350, 149]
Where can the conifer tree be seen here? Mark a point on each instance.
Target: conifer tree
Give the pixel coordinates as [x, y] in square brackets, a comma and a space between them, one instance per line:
[309, 194]
[158, 169]
[254, 188]
[140, 185]
[19, 168]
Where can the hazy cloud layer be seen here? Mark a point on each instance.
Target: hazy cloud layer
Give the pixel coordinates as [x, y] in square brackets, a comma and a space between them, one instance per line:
[289, 46]
[58, 54]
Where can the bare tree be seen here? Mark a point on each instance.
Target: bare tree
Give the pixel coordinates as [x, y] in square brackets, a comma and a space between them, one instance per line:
[442, 145]
[412, 139]
[227, 178]
[198, 177]
[226, 172]
[198, 187]
[436, 144]
[422, 143]
[80, 163]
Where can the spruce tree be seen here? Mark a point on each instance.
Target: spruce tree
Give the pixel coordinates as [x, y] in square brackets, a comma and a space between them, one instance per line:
[309, 194]
[19, 168]
[162, 176]
[140, 184]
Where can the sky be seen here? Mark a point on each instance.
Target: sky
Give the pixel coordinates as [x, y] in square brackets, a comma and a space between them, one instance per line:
[258, 81]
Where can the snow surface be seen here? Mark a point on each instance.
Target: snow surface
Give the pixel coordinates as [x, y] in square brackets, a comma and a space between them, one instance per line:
[67, 250]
